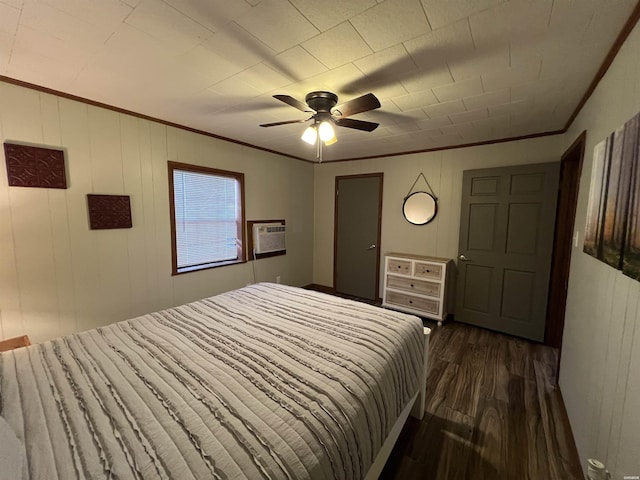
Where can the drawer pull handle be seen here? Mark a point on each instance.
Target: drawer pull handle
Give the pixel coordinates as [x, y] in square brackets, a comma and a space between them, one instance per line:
[410, 301]
[412, 285]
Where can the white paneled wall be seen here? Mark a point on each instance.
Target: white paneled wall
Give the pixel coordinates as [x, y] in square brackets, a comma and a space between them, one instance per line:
[57, 276]
[443, 171]
[600, 365]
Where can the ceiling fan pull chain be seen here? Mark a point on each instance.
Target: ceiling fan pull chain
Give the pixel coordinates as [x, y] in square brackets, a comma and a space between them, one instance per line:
[427, 182]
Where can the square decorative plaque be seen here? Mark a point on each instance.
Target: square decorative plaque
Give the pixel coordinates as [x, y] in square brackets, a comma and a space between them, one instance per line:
[109, 211]
[29, 166]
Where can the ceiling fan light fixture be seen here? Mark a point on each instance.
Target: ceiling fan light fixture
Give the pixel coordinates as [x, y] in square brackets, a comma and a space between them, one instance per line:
[326, 132]
[310, 135]
[325, 114]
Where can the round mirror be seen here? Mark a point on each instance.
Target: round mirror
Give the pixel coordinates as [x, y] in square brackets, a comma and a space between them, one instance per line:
[419, 208]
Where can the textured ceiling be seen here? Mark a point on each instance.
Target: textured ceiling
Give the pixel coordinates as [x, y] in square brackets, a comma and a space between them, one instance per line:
[446, 72]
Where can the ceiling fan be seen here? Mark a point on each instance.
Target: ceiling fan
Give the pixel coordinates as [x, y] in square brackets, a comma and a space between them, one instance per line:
[324, 113]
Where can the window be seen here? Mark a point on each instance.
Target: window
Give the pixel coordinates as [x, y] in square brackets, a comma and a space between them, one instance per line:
[207, 217]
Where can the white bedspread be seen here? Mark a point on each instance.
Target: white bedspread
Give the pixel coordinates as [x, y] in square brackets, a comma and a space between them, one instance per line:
[268, 381]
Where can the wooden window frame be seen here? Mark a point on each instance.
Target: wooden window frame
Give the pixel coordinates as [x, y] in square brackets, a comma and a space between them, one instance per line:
[240, 237]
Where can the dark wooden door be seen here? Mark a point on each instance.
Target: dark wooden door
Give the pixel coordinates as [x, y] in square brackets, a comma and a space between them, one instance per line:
[357, 235]
[506, 240]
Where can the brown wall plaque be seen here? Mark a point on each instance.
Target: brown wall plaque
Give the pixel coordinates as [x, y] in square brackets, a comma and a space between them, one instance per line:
[109, 211]
[34, 166]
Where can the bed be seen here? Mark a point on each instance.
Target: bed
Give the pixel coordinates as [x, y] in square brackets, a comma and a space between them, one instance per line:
[268, 381]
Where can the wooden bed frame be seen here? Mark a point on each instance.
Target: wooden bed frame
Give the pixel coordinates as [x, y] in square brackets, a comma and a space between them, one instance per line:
[13, 343]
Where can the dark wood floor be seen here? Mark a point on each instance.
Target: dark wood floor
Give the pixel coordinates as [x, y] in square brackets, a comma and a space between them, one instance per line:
[492, 413]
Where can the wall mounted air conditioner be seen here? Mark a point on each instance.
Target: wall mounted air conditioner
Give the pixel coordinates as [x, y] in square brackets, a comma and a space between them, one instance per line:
[268, 237]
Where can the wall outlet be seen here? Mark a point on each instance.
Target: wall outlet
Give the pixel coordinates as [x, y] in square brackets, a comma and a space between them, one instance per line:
[278, 279]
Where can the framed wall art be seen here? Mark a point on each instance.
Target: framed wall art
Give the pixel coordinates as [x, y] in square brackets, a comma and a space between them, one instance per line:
[29, 166]
[612, 234]
[109, 211]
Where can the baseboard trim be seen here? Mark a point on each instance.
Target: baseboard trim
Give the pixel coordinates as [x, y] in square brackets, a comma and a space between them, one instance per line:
[320, 288]
[332, 291]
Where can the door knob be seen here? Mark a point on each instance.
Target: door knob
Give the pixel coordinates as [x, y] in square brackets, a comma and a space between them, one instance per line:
[372, 246]
[463, 258]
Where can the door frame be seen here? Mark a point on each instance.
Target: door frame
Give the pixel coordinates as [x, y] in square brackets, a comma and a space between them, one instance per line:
[380, 176]
[570, 172]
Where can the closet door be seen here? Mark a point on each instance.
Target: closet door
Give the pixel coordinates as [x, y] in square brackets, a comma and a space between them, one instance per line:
[357, 235]
[506, 240]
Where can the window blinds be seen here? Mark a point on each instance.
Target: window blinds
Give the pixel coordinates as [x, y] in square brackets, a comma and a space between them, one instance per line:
[206, 218]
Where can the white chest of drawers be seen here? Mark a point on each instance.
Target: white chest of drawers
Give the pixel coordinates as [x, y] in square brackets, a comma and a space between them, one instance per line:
[419, 285]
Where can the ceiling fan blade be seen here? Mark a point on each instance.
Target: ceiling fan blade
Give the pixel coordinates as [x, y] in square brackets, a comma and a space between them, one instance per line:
[357, 105]
[357, 124]
[293, 102]
[286, 122]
